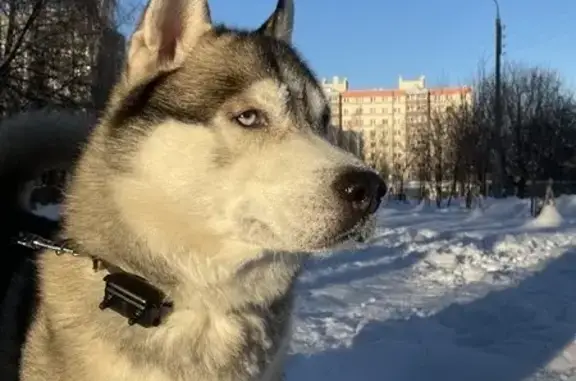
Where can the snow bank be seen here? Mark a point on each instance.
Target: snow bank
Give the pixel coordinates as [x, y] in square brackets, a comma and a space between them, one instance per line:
[548, 218]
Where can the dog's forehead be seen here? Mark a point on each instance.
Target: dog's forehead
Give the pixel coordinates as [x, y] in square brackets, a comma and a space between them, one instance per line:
[281, 62]
[228, 64]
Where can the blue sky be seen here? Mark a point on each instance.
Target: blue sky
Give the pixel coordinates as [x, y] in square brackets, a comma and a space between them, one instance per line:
[372, 42]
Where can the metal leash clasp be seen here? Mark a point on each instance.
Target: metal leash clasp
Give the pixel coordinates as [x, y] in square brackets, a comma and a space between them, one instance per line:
[35, 242]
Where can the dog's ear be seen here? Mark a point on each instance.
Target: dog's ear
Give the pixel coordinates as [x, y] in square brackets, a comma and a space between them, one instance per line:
[280, 24]
[166, 32]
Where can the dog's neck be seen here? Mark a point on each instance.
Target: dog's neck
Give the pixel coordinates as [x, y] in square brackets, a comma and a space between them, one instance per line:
[193, 284]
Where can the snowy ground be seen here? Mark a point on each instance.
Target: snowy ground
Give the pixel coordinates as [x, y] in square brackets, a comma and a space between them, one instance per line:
[443, 295]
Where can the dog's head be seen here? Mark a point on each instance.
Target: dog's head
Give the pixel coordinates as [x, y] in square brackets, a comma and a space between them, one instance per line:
[219, 133]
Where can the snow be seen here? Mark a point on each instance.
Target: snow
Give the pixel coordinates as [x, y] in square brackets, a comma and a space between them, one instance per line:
[548, 218]
[443, 295]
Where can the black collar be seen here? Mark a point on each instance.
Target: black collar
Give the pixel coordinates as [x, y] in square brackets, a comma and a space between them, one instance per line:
[125, 293]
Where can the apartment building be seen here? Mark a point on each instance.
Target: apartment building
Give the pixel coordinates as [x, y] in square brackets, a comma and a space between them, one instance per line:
[386, 119]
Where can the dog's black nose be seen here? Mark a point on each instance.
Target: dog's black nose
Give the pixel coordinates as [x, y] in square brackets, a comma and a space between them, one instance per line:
[361, 189]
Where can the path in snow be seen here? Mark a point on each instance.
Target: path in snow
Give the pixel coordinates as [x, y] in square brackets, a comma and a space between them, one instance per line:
[443, 295]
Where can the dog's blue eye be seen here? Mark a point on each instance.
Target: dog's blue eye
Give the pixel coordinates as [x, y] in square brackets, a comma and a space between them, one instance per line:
[251, 119]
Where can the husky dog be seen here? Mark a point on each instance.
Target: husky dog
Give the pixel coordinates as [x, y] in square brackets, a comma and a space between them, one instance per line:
[208, 177]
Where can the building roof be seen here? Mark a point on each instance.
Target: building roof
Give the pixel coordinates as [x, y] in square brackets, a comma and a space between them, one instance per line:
[398, 92]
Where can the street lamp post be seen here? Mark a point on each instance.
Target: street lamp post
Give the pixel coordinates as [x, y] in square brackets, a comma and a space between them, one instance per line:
[498, 181]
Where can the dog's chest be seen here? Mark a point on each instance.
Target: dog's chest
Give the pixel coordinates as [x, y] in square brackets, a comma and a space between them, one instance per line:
[255, 357]
[238, 346]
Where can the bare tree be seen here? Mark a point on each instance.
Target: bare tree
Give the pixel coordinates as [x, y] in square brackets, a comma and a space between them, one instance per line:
[442, 148]
[539, 131]
[402, 166]
[58, 52]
